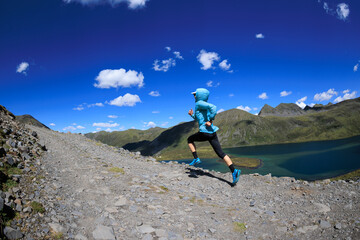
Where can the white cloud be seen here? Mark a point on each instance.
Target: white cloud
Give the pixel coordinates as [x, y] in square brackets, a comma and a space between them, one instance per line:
[312, 104]
[346, 96]
[119, 78]
[259, 35]
[220, 110]
[327, 8]
[52, 124]
[84, 105]
[150, 124]
[263, 96]
[171, 117]
[154, 94]
[105, 125]
[168, 49]
[231, 95]
[178, 55]
[302, 99]
[164, 124]
[356, 67]
[255, 108]
[285, 93]
[74, 124]
[346, 91]
[95, 105]
[155, 112]
[126, 100]
[22, 68]
[112, 116]
[342, 11]
[69, 128]
[79, 108]
[224, 65]
[136, 3]
[207, 59]
[133, 4]
[301, 102]
[80, 127]
[98, 129]
[108, 130]
[164, 65]
[324, 96]
[210, 84]
[247, 109]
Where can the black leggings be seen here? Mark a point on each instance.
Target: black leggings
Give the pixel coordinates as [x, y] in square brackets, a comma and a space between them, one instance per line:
[211, 137]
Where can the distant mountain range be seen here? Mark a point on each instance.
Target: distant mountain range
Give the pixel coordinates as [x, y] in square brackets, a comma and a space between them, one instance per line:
[286, 123]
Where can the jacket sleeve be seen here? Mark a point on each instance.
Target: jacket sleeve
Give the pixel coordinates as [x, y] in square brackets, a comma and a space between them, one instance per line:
[211, 109]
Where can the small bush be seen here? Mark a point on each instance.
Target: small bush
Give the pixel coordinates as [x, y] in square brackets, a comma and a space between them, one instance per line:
[117, 170]
[37, 207]
[239, 227]
[164, 188]
[9, 184]
[58, 235]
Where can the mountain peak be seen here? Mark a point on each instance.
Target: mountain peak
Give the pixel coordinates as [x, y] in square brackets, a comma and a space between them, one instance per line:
[282, 110]
[28, 119]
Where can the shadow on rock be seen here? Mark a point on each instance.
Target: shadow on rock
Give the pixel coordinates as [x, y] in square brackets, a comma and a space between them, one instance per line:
[194, 173]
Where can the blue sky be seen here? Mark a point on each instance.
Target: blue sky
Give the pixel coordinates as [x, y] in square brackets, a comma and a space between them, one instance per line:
[90, 65]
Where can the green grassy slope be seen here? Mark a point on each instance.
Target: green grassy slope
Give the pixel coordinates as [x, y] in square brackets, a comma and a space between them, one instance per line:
[120, 138]
[240, 128]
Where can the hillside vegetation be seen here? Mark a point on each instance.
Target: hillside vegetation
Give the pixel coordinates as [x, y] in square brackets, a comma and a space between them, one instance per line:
[240, 128]
[121, 138]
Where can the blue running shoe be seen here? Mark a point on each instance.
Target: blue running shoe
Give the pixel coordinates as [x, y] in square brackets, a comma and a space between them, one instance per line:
[236, 176]
[195, 162]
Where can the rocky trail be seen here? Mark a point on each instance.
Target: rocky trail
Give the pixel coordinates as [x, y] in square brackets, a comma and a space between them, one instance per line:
[94, 191]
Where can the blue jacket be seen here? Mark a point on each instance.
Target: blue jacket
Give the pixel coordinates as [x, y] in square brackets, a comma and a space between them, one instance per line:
[204, 111]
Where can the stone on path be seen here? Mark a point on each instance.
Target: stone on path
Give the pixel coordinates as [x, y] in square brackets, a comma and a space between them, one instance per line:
[80, 237]
[11, 233]
[146, 229]
[322, 208]
[324, 224]
[103, 233]
[306, 229]
[121, 202]
[57, 228]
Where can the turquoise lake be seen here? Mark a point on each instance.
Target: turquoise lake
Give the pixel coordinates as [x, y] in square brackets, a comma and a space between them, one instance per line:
[307, 161]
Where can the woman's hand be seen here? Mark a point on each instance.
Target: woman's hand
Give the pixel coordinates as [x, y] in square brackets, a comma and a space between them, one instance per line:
[191, 112]
[208, 124]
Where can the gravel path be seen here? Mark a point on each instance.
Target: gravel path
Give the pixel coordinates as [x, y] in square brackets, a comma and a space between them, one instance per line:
[94, 191]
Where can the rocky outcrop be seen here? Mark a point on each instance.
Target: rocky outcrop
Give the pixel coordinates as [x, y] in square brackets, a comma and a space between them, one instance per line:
[19, 152]
[28, 119]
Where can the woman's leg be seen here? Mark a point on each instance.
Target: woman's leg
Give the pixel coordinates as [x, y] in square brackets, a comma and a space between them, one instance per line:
[214, 141]
[195, 137]
[217, 148]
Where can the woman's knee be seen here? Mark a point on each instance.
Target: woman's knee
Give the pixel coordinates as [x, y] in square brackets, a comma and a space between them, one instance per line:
[221, 154]
[190, 140]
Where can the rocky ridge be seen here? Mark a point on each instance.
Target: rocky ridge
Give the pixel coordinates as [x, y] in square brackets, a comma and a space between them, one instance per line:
[89, 190]
[20, 149]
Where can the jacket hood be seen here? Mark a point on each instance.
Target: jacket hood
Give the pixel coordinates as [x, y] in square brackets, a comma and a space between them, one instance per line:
[202, 94]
